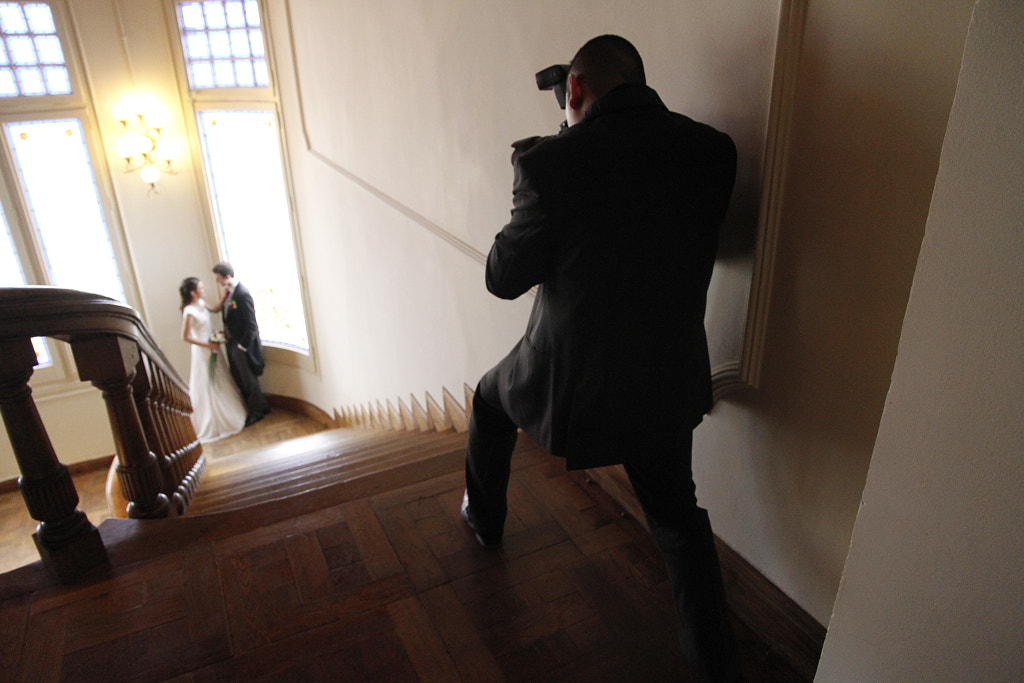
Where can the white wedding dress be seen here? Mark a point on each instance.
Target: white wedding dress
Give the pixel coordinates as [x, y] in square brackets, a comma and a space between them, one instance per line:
[217, 408]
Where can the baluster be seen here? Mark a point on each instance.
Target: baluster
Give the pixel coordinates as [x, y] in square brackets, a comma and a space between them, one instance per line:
[165, 421]
[172, 418]
[109, 363]
[68, 543]
[184, 408]
[190, 442]
[147, 404]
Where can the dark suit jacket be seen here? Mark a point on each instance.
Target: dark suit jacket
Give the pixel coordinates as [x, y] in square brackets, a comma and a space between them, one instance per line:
[617, 219]
[239, 314]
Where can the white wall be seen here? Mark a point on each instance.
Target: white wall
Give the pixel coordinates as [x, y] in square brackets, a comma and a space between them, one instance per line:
[932, 588]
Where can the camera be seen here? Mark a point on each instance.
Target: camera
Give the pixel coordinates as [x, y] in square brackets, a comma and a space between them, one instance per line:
[554, 78]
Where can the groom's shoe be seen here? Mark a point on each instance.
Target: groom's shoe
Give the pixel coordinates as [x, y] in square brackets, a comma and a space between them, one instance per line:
[489, 542]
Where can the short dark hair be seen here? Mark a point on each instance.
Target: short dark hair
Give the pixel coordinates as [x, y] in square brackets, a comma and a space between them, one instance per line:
[224, 269]
[606, 62]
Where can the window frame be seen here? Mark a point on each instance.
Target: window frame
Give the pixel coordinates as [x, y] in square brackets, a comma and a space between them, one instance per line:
[245, 98]
[61, 377]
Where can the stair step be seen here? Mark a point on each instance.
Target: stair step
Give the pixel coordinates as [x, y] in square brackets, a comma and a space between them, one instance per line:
[314, 463]
[260, 468]
[312, 450]
[315, 475]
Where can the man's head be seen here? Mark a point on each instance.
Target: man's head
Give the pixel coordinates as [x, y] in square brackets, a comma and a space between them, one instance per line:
[601, 65]
[225, 274]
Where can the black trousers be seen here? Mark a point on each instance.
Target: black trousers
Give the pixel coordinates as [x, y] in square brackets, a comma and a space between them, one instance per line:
[256, 405]
[663, 483]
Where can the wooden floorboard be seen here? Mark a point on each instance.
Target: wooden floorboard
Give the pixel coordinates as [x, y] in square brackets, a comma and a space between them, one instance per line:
[378, 582]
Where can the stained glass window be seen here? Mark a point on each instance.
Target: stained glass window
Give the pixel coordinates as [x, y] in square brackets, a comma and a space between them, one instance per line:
[52, 160]
[223, 44]
[31, 56]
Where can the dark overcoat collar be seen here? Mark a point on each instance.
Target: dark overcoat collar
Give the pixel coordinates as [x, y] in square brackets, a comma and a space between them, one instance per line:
[631, 96]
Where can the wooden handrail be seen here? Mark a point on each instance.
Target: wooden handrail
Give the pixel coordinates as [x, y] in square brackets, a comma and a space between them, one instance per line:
[159, 458]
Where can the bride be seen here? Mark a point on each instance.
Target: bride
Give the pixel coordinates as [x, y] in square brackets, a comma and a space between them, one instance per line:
[217, 408]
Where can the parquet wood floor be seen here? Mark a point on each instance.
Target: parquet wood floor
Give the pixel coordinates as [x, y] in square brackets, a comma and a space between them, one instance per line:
[375, 580]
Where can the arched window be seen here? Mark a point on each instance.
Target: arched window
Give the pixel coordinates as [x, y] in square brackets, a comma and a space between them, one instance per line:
[225, 59]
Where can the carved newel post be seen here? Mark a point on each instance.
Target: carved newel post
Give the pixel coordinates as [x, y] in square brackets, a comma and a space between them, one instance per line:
[68, 543]
[110, 362]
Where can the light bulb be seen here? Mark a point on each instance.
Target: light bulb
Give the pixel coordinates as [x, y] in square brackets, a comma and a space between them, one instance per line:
[124, 111]
[133, 144]
[150, 175]
[170, 148]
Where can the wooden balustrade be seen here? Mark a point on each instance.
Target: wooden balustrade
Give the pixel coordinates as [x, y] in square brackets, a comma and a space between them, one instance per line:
[159, 458]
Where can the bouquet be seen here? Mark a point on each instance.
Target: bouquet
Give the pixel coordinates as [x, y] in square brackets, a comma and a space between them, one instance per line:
[217, 338]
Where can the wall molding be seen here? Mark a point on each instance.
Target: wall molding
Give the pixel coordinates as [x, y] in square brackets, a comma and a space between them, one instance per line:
[390, 201]
[788, 43]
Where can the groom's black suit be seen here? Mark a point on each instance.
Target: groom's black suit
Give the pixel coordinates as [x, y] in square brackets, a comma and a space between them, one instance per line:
[239, 315]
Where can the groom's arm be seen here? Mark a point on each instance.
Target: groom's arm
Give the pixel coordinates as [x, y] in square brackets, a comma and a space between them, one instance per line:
[247, 308]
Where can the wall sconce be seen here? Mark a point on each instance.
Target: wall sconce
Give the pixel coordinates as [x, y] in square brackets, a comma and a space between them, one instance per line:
[140, 145]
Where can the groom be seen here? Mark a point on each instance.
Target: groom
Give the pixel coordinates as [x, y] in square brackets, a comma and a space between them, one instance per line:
[245, 352]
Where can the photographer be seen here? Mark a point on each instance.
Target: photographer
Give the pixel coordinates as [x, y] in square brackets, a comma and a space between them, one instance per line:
[616, 219]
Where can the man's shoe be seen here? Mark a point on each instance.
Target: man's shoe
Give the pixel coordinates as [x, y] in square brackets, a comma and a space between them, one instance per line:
[467, 517]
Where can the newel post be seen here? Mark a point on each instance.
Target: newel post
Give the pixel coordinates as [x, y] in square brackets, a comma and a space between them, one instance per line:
[68, 543]
[110, 362]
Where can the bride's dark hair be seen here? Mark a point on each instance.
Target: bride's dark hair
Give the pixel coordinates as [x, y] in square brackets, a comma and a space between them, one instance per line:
[188, 285]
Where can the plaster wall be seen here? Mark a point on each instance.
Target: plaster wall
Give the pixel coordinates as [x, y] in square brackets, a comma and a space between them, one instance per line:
[931, 590]
[782, 469]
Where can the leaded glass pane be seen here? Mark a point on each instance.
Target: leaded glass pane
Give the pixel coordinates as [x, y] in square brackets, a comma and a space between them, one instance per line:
[202, 75]
[240, 44]
[256, 42]
[48, 48]
[244, 74]
[8, 86]
[40, 20]
[23, 50]
[12, 20]
[236, 13]
[55, 170]
[11, 274]
[30, 81]
[220, 46]
[262, 77]
[214, 12]
[192, 16]
[224, 73]
[57, 80]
